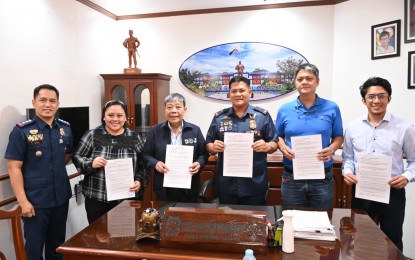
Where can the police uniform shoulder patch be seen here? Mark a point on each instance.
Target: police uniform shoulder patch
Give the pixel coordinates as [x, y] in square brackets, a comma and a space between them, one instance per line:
[25, 123]
[261, 110]
[63, 121]
[222, 112]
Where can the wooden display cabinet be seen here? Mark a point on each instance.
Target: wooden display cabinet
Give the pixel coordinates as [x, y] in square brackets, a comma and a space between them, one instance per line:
[143, 95]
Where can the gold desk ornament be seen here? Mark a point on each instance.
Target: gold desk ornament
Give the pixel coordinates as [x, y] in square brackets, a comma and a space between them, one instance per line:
[149, 225]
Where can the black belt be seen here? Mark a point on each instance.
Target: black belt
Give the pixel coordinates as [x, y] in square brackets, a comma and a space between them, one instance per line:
[326, 170]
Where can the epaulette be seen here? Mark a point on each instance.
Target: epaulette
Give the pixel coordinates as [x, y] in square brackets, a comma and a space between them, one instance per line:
[63, 121]
[25, 123]
[222, 112]
[261, 110]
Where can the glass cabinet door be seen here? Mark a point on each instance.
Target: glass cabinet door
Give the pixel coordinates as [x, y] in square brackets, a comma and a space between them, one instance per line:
[142, 110]
[120, 93]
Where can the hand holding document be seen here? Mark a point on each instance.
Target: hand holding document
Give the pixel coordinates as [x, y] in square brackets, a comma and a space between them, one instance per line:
[178, 160]
[313, 225]
[119, 177]
[373, 173]
[306, 165]
[238, 155]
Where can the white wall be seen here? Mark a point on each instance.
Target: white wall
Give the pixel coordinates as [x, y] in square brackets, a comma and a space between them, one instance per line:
[70, 45]
[58, 42]
[167, 42]
[352, 66]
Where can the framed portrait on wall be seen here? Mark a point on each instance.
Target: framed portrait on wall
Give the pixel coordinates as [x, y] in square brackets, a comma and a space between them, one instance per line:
[411, 69]
[409, 21]
[386, 40]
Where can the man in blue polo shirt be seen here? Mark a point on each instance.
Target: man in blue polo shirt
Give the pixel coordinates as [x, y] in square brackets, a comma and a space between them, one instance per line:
[37, 153]
[242, 118]
[308, 114]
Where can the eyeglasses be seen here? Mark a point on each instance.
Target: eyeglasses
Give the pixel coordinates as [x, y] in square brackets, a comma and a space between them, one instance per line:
[114, 102]
[381, 96]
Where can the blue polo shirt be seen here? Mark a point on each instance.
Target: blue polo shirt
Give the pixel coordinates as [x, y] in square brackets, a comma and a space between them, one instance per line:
[256, 120]
[42, 149]
[295, 119]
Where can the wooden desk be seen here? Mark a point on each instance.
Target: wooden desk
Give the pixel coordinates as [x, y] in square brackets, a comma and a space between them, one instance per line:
[358, 238]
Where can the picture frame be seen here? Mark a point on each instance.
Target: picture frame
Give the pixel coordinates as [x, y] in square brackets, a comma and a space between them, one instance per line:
[386, 40]
[409, 21]
[411, 70]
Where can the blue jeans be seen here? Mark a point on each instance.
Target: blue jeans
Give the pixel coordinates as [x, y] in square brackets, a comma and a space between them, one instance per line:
[307, 193]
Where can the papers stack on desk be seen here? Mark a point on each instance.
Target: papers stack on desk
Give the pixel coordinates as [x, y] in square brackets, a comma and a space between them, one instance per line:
[313, 225]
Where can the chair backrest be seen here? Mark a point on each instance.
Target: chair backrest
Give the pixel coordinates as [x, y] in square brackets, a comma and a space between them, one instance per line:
[14, 215]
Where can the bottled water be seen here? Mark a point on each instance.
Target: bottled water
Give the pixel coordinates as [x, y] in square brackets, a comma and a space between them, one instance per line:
[249, 255]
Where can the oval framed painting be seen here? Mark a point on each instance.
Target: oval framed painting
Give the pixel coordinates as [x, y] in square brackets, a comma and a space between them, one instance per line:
[270, 68]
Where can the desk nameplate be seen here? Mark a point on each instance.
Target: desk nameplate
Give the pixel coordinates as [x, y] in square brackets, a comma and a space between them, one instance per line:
[214, 229]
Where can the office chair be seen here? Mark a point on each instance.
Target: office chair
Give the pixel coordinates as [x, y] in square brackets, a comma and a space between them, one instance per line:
[207, 192]
[14, 215]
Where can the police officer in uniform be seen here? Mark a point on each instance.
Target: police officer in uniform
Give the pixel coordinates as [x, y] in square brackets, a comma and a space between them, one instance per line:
[242, 118]
[37, 153]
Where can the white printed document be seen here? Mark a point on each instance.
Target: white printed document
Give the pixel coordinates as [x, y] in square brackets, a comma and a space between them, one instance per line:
[373, 173]
[306, 166]
[119, 177]
[238, 155]
[178, 160]
[313, 225]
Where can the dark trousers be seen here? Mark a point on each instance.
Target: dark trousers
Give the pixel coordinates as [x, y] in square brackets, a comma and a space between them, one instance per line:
[390, 216]
[95, 208]
[45, 231]
[258, 199]
[176, 194]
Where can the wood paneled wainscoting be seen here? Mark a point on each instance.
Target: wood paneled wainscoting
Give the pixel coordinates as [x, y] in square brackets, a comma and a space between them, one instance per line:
[341, 193]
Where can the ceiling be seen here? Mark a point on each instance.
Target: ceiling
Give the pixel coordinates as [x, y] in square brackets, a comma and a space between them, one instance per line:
[139, 9]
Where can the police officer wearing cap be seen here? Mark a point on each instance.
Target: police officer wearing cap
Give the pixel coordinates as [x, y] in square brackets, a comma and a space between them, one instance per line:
[242, 118]
[37, 153]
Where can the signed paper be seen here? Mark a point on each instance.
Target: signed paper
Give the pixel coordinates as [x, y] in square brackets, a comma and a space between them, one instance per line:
[238, 155]
[373, 173]
[178, 160]
[119, 177]
[306, 166]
